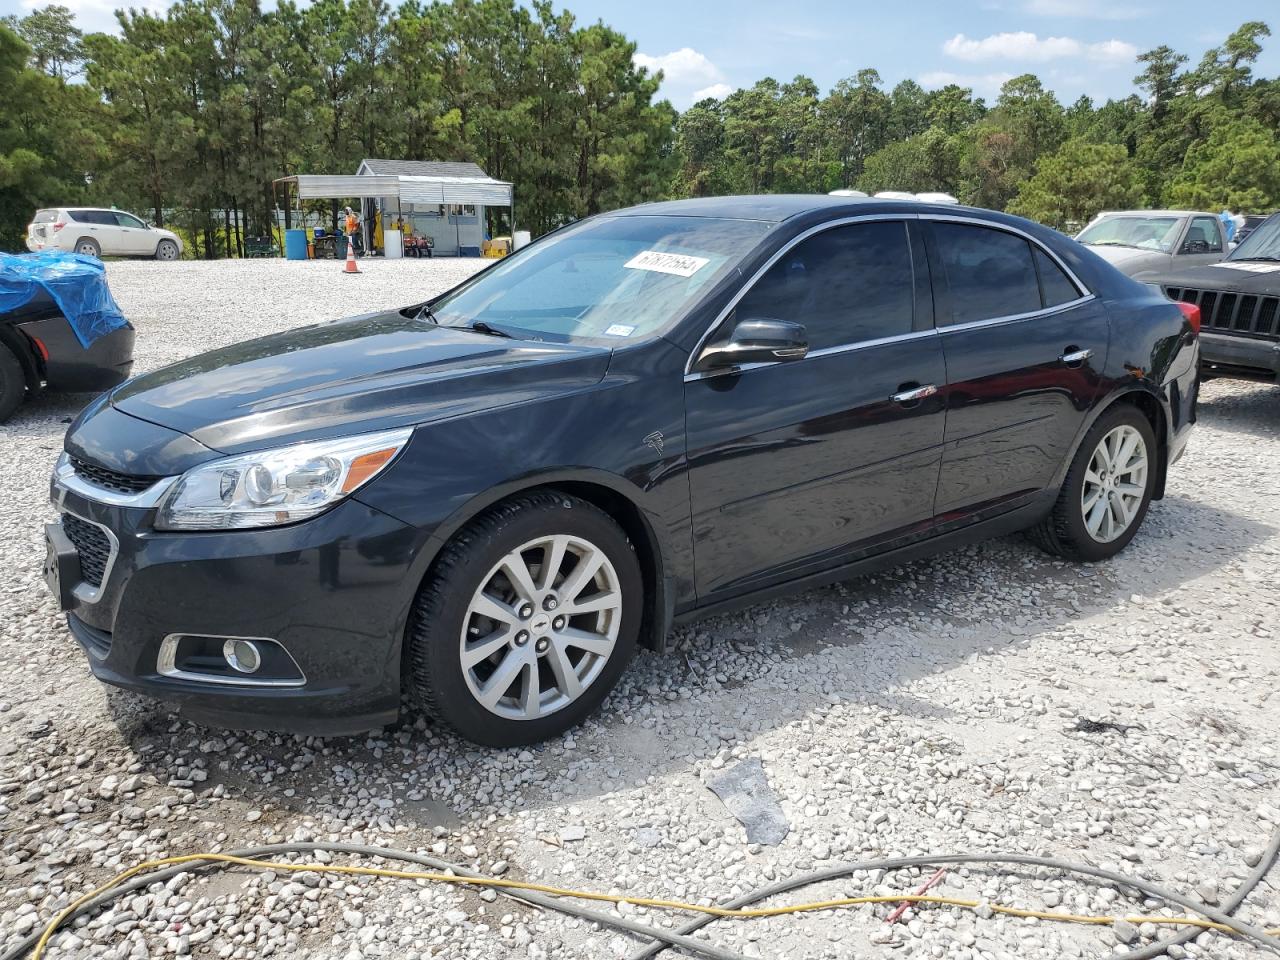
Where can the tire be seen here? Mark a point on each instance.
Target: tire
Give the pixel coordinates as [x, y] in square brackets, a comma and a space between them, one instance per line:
[13, 383]
[510, 649]
[166, 250]
[1098, 533]
[89, 247]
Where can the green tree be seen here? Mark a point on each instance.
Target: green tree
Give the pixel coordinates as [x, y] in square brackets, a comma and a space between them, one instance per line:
[57, 45]
[1077, 182]
[1237, 167]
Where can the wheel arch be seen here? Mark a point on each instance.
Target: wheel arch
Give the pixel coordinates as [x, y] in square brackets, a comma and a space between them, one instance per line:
[1147, 399]
[21, 347]
[609, 493]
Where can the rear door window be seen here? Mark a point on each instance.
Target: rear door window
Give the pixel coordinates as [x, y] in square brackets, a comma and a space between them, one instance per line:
[989, 273]
[1056, 287]
[846, 285]
[45, 216]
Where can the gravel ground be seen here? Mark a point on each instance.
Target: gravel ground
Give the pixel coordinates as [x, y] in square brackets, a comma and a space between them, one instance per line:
[929, 709]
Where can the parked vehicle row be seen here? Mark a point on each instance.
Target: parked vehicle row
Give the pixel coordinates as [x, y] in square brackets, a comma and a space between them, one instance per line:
[98, 232]
[489, 500]
[1239, 302]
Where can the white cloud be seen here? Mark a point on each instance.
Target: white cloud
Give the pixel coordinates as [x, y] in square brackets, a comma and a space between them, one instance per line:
[1011, 46]
[1085, 9]
[683, 66]
[717, 91]
[982, 84]
[1029, 48]
[687, 75]
[1112, 51]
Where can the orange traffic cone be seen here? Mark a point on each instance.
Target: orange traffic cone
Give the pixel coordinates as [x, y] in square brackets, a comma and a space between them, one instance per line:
[351, 258]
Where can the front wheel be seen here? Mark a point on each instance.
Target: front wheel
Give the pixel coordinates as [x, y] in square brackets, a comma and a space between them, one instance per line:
[1107, 490]
[166, 250]
[527, 621]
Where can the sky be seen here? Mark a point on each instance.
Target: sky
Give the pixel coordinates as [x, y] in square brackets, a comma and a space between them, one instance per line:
[711, 47]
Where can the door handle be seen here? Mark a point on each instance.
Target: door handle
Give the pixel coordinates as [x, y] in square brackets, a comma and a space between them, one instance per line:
[914, 394]
[1073, 357]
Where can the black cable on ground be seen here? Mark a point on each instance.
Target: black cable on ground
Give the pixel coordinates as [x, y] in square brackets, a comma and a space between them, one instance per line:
[897, 863]
[689, 944]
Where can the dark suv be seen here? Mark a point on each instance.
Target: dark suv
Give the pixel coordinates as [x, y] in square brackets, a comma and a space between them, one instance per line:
[488, 500]
[1239, 301]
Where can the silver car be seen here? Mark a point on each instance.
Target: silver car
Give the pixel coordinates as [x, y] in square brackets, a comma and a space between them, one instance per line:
[1148, 242]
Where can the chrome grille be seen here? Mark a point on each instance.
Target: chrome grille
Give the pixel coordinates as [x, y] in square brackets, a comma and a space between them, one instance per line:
[110, 479]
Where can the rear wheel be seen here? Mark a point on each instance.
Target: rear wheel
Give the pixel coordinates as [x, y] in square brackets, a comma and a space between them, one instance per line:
[13, 384]
[527, 621]
[166, 250]
[1107, 491]
[87, 246]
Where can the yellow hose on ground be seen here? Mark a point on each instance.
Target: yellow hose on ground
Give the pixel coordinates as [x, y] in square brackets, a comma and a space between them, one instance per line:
[499, 883]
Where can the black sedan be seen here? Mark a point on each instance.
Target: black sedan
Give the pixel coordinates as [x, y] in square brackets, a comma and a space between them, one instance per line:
[487, 501]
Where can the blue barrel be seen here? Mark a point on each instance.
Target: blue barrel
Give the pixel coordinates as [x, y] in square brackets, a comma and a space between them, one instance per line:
[295, 244]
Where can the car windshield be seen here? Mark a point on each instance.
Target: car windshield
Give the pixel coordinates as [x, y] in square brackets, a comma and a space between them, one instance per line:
[1145, 233]
[1263, 243]
[609, 277]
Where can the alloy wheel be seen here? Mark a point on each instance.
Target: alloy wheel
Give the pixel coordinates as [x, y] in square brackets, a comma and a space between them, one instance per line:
[1114, 483]
[541, 627]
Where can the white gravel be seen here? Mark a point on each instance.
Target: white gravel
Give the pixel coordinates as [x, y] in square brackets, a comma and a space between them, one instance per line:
[929, 709]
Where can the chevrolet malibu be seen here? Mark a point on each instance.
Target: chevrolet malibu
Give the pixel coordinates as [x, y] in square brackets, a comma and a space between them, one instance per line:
[486, 502]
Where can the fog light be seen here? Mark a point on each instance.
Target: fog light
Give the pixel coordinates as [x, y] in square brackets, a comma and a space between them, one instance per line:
[242, 655]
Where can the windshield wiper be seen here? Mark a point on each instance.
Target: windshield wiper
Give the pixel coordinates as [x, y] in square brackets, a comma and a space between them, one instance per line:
[1110, 243]
[1238, 259]
[480, 326]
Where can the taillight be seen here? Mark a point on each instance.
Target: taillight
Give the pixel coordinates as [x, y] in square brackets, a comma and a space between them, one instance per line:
[1192, 313]
[58, 225]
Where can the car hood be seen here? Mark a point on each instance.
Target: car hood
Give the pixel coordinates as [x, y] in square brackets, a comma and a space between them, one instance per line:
[369, 373]
[1117, 255]
[1244, 276]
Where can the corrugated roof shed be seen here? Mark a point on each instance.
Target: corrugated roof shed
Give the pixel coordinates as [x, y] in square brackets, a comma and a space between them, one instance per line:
[424, 168]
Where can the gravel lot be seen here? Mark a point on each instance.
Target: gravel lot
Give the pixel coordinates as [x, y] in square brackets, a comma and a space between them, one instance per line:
[928, 710]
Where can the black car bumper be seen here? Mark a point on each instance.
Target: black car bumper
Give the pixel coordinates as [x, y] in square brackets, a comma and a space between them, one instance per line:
[1251, 358]
[333, 593]
[67, 365]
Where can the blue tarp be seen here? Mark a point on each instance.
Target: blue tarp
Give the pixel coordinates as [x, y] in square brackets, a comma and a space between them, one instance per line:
[77, 284]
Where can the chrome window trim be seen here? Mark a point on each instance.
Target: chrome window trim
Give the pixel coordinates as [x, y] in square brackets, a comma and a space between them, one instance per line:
[824, 352]
[65, 479]
[166, 663]
[1085, 297]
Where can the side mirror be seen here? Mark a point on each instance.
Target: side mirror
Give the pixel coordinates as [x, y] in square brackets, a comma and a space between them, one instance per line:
[757, 341]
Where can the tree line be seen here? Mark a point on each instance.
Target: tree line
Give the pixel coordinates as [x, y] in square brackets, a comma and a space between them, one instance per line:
[191, 114]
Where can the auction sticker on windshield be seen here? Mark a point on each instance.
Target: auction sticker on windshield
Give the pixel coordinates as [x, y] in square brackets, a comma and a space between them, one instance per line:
[679, 264]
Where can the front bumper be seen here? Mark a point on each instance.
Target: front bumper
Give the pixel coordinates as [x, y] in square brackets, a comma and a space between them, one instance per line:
[1247, 357]
[335, 591]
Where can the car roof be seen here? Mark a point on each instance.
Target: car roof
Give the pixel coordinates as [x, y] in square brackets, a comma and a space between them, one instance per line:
[1154, 213]
[776, 207]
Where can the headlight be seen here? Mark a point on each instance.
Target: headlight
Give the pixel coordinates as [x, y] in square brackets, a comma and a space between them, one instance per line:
[276, 486]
